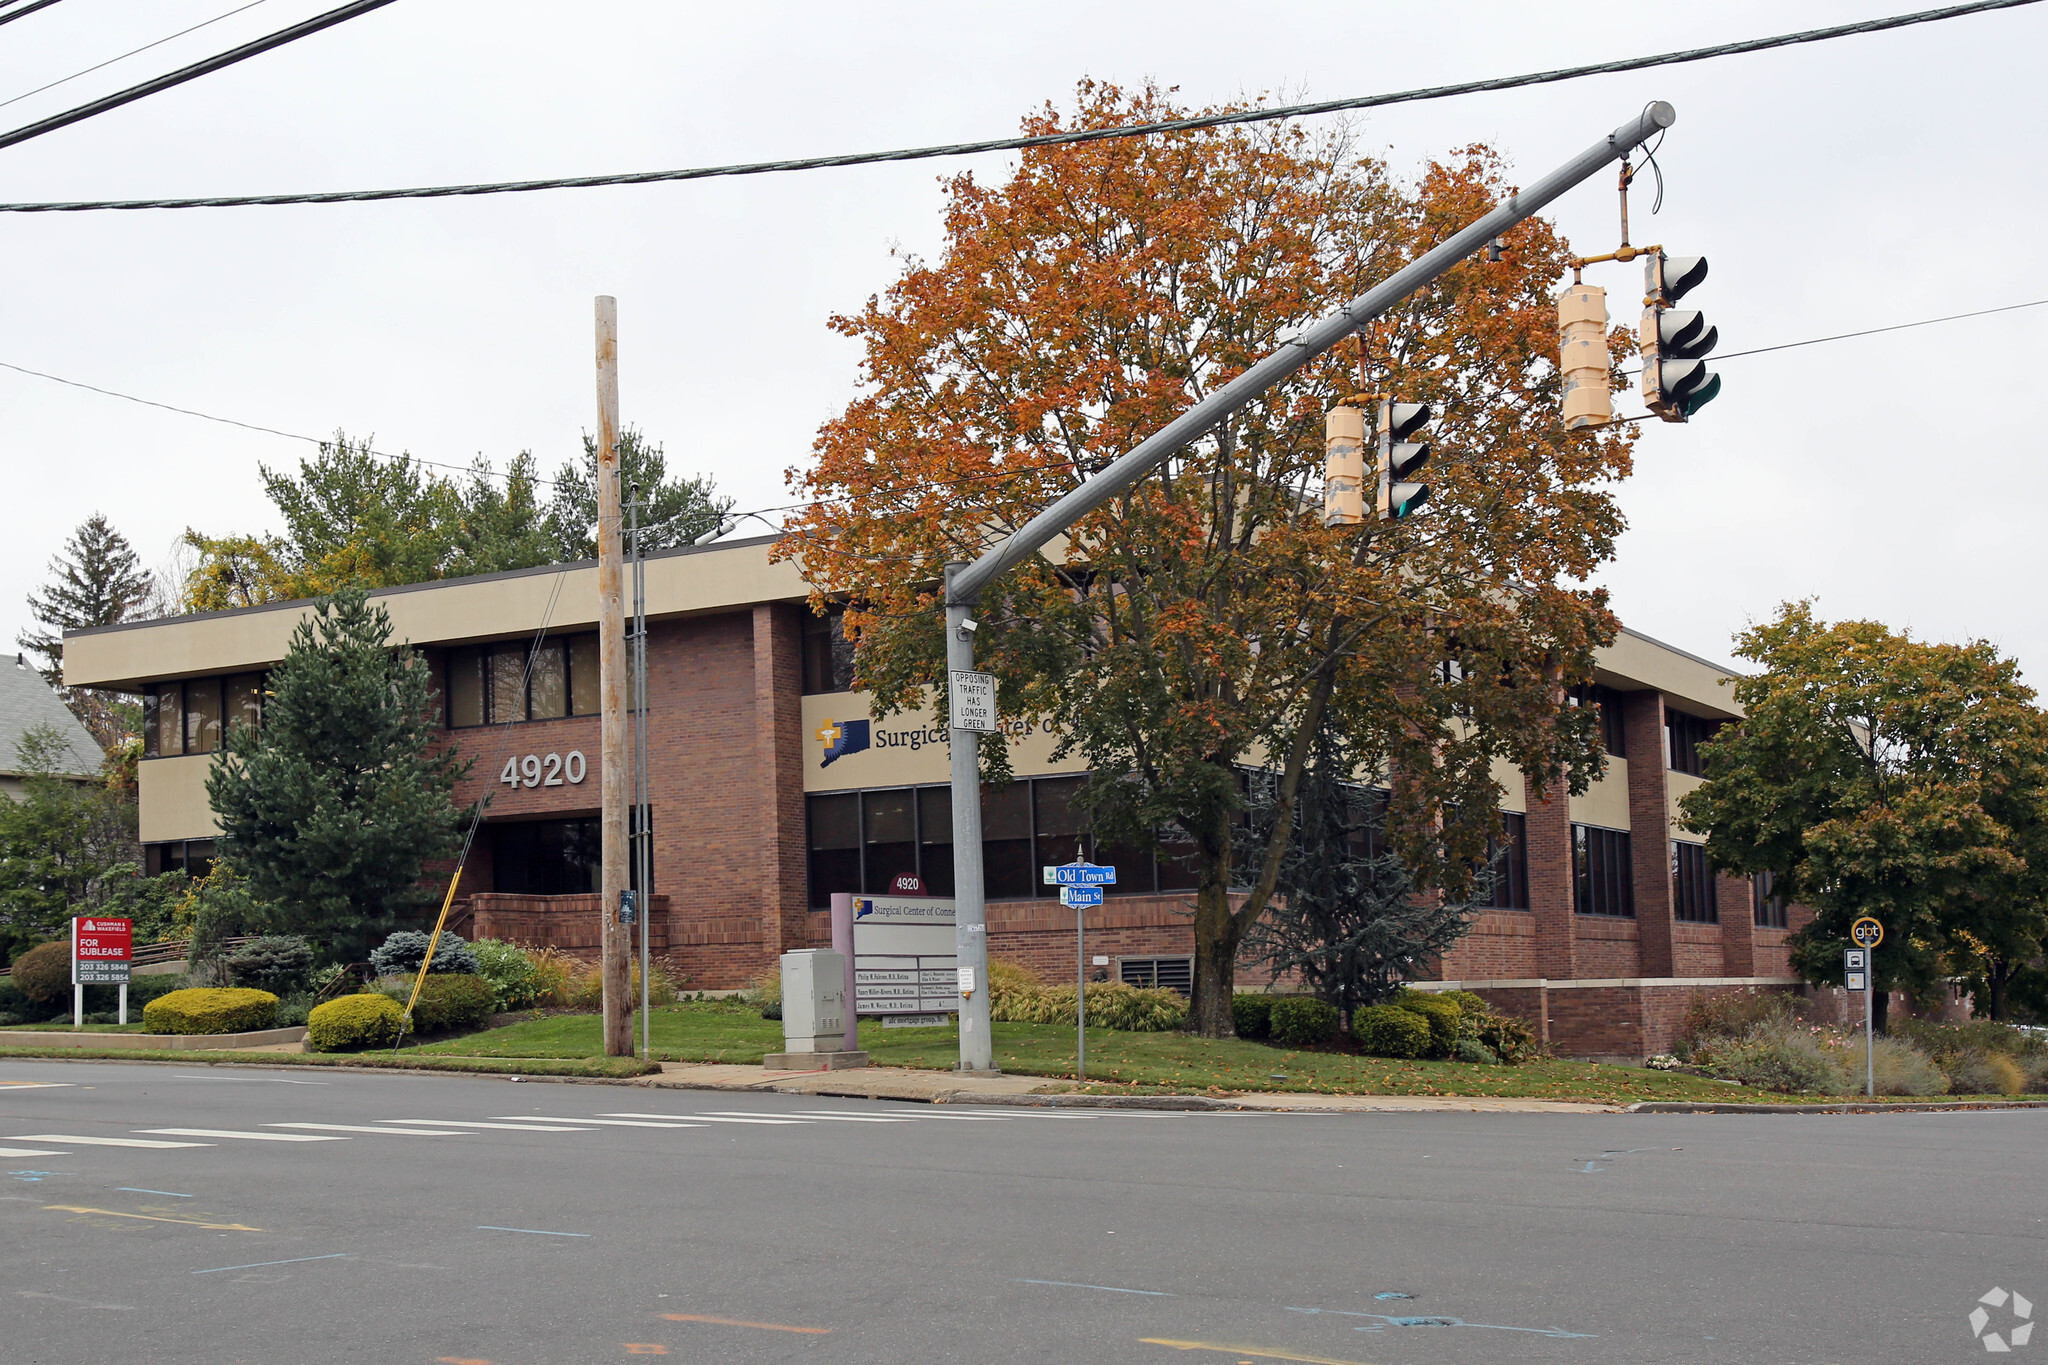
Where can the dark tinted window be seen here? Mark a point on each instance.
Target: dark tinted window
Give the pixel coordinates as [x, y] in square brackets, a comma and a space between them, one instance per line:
[1602, 881]
[1692, 884]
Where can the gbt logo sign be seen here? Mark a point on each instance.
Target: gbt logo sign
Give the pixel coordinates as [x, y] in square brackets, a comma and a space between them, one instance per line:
[2017, 1334]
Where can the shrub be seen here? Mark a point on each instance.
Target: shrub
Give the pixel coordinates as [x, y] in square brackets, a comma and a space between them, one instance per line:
[405, 950]
[1011, 988]
[274, 962]
[1111, 1004]
[293, 1009]
[1469, 1004]
[764, 992]
[449, 1003]
[1903, 1069]
[1788, 1060]
[1472, 1050]
[15, 1008]
[514, 976]
[43, 973]
[1442, 1016]
[354, 1021]
[1303, 1021]
[157, 985]
[1390, 1031]
[1506, 1036]
[1985, 1073]
[1251, 1015]
[1717, 1019]
[557, 976]
[211, 1009]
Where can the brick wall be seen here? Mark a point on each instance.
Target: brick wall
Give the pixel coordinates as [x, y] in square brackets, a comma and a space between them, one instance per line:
[1500, 944]
[1649, 823]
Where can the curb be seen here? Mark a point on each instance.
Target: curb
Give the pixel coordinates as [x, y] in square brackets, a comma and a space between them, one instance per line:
[1928, 1107]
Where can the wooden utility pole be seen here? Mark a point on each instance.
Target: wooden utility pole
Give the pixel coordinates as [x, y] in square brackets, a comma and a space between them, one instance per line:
[613, 681]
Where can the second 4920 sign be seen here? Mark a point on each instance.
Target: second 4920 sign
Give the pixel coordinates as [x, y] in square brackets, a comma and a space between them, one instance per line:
[544, 770]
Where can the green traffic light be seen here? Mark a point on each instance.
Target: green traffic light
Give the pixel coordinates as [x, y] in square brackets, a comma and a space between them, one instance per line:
[1703, 395]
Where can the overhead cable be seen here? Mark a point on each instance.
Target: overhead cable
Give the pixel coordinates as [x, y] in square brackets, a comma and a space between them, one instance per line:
[1255, 115]
[253, 48]
[133, 51]
[25, 10]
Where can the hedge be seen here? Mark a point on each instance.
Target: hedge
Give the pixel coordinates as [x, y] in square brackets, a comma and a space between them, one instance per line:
[43, 973]
[1442, 1016]
[447, 1004]
[1251, 1015]
[1390, 1031]
[353, 1021]
[211, 1009]
[1303, 1021]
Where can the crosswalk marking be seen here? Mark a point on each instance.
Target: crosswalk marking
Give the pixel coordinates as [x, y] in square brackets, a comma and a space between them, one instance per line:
[822, 1114]
[707, 1118]
[360, 1128]
[29, 1151]
[100, 1141]
[237, 1133]
[508, 1127]
[614, 1123]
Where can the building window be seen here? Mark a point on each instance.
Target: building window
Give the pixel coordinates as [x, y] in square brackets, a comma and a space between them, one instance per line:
[1508, 857]
[555, 857]
[194, 857]
[828, 654]
[194, 717]
[860, 842]
[492, 684]
[1692, 885]
[1683, 735]
[1770, 906]
[1602, 881]
[1613, 729]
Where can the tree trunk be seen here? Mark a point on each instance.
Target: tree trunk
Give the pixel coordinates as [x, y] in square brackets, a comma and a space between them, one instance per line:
[1880, 1009]
[1216, 939]
[1996, 979]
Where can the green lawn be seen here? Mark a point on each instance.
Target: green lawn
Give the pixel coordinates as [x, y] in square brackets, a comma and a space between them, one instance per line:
[1116, 1061]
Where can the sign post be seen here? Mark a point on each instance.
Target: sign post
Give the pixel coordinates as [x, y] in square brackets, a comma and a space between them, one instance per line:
[102, 954]
[1867, 933]
[1080, 885]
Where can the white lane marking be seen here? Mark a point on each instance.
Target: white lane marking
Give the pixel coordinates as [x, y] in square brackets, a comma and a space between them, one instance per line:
[100, 1141]
[360, 1128]
[237, 1133]
[824, 1115]
[612, 1123]
[508, 1127]
[29, 1151]
[706, 1118]
[36, 1085]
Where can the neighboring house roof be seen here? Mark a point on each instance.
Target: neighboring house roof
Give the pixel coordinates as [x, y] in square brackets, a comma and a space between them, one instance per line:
[27, 701]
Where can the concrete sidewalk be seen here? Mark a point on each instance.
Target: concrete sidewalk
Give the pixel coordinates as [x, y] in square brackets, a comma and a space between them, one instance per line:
[947, 1087]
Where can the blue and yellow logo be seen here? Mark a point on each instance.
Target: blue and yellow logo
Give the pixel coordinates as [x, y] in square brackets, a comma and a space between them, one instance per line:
[842, 737]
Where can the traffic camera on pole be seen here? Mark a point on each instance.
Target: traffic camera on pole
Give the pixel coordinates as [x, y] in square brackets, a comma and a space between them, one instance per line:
[1676, 382]
[1400, 458]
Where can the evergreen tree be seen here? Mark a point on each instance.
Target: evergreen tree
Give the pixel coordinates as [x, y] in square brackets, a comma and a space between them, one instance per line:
[333, 809]
[95, 581]
[1348, 922]
[678, 511]
[65, 845]
[501, 526]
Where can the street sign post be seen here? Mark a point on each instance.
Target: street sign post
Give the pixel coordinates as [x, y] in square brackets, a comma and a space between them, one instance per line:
[1867, 933]
[102, 953]
[1080, 883]
[974, 700]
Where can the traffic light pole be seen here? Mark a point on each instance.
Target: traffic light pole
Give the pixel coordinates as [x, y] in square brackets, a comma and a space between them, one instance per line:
[964, 583]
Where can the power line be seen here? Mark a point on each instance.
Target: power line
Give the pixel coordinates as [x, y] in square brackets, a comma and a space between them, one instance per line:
[125, 55]
[189, 73]
[1257, 115]
[25, 11]
[1873, 331]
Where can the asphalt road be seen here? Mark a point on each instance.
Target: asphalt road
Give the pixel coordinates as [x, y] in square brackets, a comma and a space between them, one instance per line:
[994, 1235]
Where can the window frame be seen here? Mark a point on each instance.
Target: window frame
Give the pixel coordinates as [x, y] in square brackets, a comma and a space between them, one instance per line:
[489, 651]
[153, 729]
[1768, 908]
[1694, 896]
[1611, 894]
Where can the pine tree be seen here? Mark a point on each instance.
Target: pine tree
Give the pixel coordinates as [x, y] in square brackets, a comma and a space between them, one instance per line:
[677, 512]
[96, 581]
[333, 809]
[1347, 922]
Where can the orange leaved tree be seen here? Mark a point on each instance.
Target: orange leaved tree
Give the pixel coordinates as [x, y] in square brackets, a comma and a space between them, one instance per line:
[1207, 622]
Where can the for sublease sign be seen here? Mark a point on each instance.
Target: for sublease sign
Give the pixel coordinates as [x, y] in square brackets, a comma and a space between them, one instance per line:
[101, 950]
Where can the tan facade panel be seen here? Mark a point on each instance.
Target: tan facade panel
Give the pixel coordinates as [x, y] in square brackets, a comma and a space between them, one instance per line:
[1606, 802]
[1676, 785]
[904, 750]
[172, 796]
[1635, 662]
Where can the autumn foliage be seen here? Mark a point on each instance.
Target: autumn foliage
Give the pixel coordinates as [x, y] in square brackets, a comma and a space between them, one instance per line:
[1208, 621]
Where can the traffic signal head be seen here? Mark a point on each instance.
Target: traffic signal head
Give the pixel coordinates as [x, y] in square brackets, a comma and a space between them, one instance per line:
[1582, 356]
[1676, 382]
[1343, 466]
[1400, 458]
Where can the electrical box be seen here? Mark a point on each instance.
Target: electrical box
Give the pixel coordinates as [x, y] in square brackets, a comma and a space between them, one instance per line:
[813, 1001]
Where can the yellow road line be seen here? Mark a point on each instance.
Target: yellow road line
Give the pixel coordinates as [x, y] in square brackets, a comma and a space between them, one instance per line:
[152, 1218]
[1263, 1352]
[738, 1322]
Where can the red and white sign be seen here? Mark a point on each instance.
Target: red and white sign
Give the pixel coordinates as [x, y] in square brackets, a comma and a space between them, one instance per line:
[101, 949]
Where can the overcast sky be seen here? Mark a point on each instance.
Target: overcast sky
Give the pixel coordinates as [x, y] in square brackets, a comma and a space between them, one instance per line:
[1852, 184]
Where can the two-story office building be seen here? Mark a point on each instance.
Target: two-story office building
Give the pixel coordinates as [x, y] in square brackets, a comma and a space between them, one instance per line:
[774, 785]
